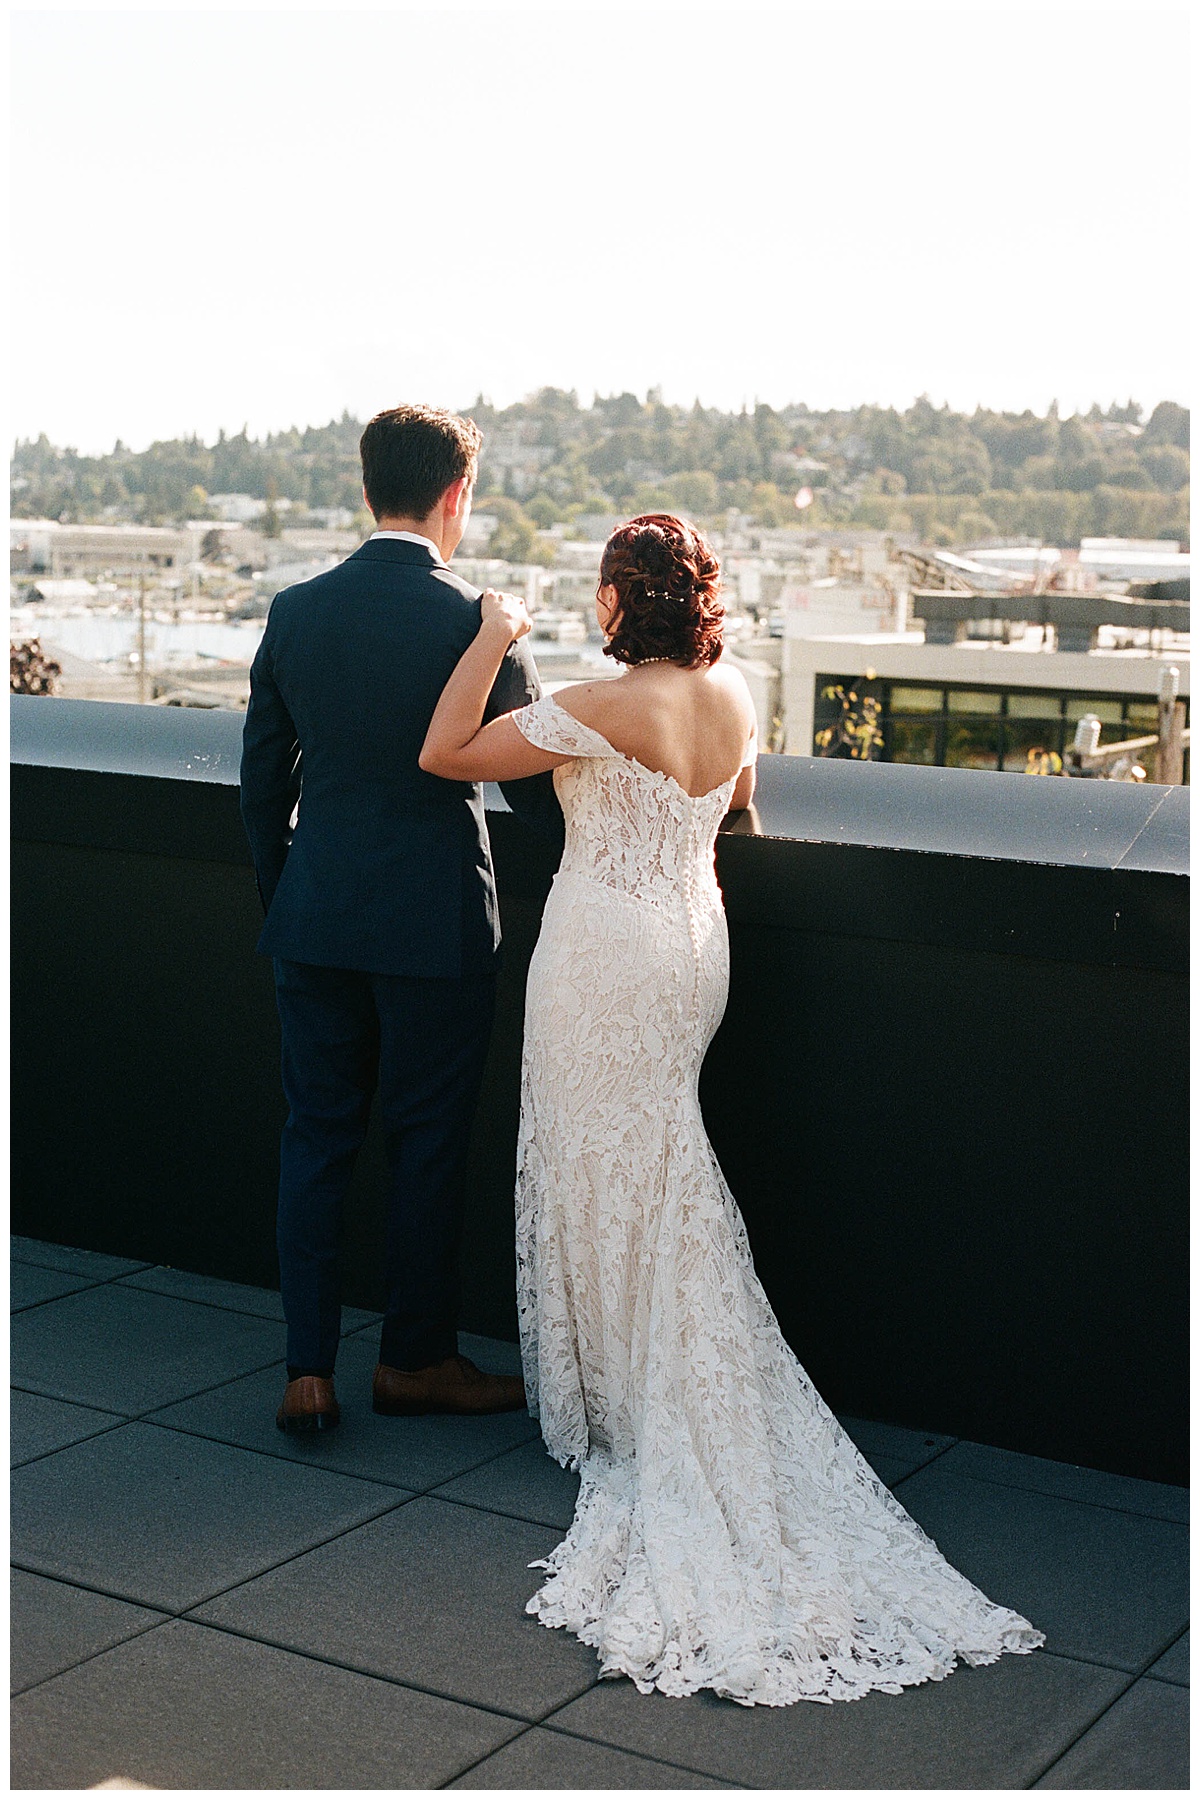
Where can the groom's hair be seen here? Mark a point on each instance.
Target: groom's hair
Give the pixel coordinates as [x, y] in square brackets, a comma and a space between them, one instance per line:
[410, 456]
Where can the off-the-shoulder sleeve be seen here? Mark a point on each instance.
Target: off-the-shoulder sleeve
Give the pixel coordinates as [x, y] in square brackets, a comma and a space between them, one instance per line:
[551, 727]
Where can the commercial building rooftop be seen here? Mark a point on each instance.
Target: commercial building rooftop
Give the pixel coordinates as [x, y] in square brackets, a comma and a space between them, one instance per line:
[202, 1602]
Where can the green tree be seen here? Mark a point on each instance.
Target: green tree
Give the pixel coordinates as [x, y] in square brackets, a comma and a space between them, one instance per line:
[1166, 465]
[543, 511]
[1169, 424]
[269, 523]
[694, 491]
[972, 526]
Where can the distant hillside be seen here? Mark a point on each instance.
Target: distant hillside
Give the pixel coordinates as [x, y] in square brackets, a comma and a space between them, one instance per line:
[950, 476]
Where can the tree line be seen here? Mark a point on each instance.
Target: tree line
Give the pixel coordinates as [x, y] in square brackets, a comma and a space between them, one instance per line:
[949, 476]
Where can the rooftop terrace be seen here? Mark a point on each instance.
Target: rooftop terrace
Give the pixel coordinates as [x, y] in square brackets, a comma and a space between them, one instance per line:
[950, 1094]
[201, 1602]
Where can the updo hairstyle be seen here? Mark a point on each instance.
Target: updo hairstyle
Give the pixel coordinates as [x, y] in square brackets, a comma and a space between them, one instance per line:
[668, 585]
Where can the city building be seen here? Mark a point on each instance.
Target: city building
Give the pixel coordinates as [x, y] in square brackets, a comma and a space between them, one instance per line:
[46, 547]
[973, 704]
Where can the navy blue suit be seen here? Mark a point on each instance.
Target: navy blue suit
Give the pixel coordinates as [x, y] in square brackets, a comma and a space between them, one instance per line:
[381, 916]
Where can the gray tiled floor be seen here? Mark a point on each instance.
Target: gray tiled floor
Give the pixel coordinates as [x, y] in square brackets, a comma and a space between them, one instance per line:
[38, 1425]
[183, 1707]
[433, 1594]
[1140, 1743]
[993, 1727]
[206, 1603]
[1066, 1481]
[1105, 1586]
[166, 1520]
[415, 1454]
[545, 1759]
[126, 1351]
[31, 1285]
[1175, 1664]
[92, 1264]
[232, 1295]
[55, 1626]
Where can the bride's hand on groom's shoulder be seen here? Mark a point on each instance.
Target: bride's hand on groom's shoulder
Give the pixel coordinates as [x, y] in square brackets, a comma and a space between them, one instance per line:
[509, 610]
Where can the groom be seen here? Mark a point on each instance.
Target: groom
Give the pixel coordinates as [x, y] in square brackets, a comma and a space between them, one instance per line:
[381, 916]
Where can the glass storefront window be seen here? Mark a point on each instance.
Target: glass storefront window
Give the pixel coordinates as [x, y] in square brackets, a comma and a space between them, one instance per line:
[989, 728]
[973, 744]
[1034, 706]
[1024, 738]
[913, 741]
[1108, 711]
[974, 700]
[916, 700]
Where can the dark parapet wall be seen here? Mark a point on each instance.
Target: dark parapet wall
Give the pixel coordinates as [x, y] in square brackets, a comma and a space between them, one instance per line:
[950, 1091]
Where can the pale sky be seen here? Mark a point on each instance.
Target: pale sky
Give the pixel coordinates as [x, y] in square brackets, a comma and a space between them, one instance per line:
[265, 217]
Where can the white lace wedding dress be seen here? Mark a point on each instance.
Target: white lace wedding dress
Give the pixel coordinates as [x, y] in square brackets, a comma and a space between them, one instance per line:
[728, 1533]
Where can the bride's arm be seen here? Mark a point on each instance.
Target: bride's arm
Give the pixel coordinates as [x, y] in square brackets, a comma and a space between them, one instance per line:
[743, 793]
[458, 745]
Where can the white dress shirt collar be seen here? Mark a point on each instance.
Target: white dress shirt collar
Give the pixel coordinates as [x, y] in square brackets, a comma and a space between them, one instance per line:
[410, 537]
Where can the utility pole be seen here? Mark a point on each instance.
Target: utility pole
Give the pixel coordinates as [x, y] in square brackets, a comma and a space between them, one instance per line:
[1169, 760]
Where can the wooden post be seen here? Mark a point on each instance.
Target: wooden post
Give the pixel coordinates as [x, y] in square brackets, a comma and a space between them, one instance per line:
[1168, 770]
[1170, 754]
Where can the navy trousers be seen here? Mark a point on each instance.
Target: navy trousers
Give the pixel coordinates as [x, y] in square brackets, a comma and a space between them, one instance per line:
[419, 1044]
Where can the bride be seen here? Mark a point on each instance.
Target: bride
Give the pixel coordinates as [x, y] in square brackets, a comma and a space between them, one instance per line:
[728, 1534]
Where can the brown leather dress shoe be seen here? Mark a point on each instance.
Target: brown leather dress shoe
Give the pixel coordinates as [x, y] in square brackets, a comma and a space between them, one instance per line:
[309, 1404]
[453, 1386]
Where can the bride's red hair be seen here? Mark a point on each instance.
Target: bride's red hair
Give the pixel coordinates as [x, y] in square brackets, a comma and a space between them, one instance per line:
[668, 584]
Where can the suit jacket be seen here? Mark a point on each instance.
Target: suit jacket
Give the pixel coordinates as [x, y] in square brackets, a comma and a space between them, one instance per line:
[388, 869]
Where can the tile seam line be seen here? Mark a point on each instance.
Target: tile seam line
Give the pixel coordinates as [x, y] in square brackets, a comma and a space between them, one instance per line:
[124, 1282]
[333, 1662]
[1066, 1499]
[143, 1631]
[87, 1287]
[494, 1512]
[1083, 1731]
[100, 1281]
[240, 1312]
[184, 1612]
[563, 1730]
[919, 1467]
[1142, 1673]
[660, 1762]
[329, 1662]
[414, 1492]
[663, 1762]
[360, 1524]
[487, 1755]
[103, 1431]
[136, 1418]
[275, 1456]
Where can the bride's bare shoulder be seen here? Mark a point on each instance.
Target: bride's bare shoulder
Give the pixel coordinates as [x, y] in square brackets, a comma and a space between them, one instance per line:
[594, 703]
[729, 678]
